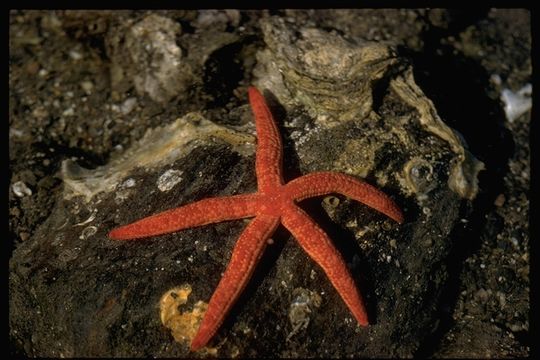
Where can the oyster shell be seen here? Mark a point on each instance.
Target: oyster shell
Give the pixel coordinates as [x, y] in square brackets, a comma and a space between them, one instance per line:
[333, 78]
[327, 73]
[159, 146]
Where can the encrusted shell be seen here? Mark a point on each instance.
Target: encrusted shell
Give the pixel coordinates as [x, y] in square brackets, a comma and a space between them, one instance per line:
[328, 74]
[333, 78]
[159, 146]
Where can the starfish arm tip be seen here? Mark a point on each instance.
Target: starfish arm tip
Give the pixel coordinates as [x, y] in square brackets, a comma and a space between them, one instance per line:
[399, 217]
[196, 345]
[361, 317]
[391, 209]
[118, 234]
[113, 234]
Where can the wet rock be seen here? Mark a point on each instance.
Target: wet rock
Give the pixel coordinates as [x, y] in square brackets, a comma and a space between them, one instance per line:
[153, 55]
[158, 69]
[96, 283]
[75, 292]
[158, 147]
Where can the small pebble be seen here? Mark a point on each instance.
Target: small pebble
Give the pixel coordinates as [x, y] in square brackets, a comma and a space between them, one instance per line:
[32, 68]
[87, 86]
[517, 103]
[15, 211]
[514, 241]
[499, 201]
[69, 112]
[128, 105]
[495, 79]
[75, 55]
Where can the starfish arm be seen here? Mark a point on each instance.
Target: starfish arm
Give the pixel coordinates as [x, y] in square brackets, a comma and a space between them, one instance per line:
[318, 246]
[199, 213]
[269, 149]
[245, 256]
[320, 183]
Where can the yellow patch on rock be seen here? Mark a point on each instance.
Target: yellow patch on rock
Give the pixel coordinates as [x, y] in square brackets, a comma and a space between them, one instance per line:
[183, 324]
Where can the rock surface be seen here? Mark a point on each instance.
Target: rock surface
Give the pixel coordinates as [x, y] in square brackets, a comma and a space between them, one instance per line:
[74, 292]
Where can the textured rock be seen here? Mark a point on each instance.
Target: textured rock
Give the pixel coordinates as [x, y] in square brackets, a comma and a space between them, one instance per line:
[74, 292]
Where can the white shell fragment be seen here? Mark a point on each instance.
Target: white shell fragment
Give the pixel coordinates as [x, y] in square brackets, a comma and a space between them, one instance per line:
[88, 232]
[20, 189]
[517, 103]
[169, 179]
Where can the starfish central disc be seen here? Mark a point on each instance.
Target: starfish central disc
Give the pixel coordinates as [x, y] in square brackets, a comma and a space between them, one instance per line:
[274, 203]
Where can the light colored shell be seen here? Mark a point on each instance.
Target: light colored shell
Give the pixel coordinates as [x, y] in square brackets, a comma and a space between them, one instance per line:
[159, 146]
[333, 79]
[464, 168]
[328, 74]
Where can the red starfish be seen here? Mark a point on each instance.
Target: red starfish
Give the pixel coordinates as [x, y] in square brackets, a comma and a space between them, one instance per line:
[272, 204]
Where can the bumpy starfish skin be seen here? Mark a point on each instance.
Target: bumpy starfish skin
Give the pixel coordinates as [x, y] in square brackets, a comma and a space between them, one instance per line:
[274, 203]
